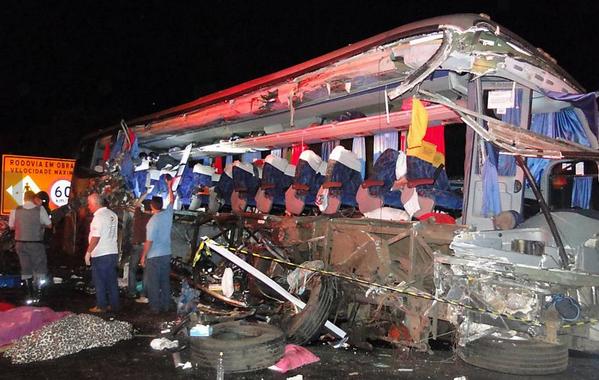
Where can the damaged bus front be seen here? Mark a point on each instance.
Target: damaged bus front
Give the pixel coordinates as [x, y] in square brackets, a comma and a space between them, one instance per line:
[351, 163]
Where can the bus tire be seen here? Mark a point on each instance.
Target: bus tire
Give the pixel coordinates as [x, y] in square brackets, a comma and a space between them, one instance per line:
[304, 326]
[516, 357]
[246, 346]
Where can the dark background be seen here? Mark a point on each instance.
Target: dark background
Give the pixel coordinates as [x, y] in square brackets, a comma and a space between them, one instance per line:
[69, 68]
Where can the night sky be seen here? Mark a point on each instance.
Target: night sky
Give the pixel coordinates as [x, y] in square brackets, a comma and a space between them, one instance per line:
[69, 68]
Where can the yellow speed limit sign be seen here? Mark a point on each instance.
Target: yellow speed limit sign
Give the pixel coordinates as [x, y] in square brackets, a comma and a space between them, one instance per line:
[22, 173]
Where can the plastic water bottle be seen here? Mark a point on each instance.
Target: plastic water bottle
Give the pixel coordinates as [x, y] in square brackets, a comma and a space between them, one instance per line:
[220, 368]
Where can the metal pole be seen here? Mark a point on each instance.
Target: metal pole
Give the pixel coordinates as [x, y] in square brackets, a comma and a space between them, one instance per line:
[268, 281]
[546, 212]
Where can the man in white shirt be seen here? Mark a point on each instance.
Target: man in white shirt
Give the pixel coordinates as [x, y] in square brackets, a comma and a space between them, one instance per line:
[102, 255]
[28, 222]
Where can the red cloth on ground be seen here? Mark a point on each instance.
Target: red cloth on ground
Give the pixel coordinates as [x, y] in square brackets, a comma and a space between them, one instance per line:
[20, 321]
[294, 357]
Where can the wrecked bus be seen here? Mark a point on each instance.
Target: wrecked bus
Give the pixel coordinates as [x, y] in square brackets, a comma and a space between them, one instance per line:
[439, 179]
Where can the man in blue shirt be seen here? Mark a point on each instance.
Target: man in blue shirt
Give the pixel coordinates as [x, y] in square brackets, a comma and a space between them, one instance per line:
[156, 255]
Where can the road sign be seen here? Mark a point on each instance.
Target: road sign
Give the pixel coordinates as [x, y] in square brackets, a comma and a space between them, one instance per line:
[22, 173]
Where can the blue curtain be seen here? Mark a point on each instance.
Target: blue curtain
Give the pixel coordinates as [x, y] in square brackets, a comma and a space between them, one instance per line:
[563, 124]
[581, 192]
[507, 164]
[499, 165]
[249, 157]
[127, 171]
[117, 147]
[326, 149]
[384, 141]
[586, 102]
[140, 182]
[359, 149]
[491, 200]
[135, 147]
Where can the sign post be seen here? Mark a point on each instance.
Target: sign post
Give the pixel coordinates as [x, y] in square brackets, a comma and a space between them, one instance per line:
[22, 173]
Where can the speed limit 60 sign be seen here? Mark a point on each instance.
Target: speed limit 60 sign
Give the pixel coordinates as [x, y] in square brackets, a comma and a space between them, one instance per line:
[59, 193]
[23, 173]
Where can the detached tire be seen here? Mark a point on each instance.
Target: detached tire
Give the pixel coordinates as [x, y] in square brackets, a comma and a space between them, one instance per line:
[517, 357]
[245, 346]
[304, 326]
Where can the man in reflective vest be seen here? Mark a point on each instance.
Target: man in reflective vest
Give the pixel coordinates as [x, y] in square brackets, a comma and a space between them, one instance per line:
[28, 222]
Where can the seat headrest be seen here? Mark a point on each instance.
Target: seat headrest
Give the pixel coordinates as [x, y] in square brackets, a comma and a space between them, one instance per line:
[203, 169]
[401, 165]
[290, 170]
[244, 166]
[346, 157]
[229, 170]
[312, 159]
[279, 163]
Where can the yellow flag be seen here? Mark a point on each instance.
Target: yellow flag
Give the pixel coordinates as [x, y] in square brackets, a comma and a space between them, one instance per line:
[416, 146]
[418, 124]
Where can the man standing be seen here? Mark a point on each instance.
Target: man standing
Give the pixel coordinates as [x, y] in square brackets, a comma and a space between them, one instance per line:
[156, 256]
[102, 255]
[43, 200]
[140, 221]
[28, 222]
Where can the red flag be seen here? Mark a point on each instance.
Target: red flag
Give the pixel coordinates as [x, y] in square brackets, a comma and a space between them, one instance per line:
[217, 164]
[296, 150]
[106, 154]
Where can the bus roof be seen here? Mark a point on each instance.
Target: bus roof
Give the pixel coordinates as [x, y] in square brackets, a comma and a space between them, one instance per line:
[275, 99]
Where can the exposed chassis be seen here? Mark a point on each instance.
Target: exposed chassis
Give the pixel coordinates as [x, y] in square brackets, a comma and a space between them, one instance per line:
[393, 254]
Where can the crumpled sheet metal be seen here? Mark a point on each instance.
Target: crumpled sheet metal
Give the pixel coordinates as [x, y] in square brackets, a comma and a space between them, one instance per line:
[508, 300]
[299, 277]
[498, 291]
[67, 336]
[490, 248]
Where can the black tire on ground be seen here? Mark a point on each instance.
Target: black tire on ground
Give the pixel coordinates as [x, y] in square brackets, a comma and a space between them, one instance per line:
[246, 346]
[517, 357]
[304, 326]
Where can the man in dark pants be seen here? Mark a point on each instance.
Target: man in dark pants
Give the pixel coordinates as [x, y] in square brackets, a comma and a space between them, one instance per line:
[102, 255]
[156, 256]
[140, 221]
[28, 222]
